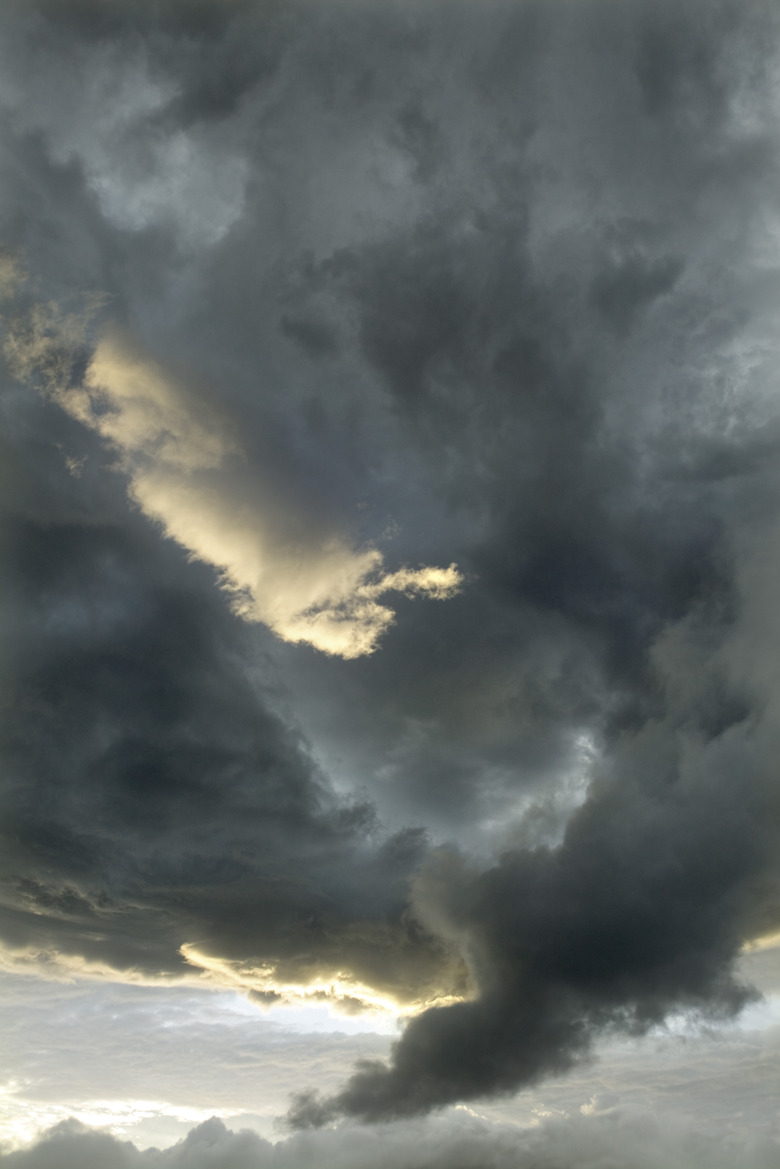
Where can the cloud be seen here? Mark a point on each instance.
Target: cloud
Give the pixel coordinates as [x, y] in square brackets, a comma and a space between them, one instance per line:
[636, 1141]
[164, 800]
[506, 280]
[113, 1059]
[610, 930]
[11, 275]
[177, 454]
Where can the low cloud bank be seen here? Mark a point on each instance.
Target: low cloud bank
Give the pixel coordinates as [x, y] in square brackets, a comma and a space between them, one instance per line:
[459, 1141]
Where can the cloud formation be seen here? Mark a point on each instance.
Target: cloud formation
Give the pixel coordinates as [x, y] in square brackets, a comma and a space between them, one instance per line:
[637, 1142]
[177, 455]
[500, 286]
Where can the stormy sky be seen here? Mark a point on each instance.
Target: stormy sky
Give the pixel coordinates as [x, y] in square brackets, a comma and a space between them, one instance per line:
[389, 577]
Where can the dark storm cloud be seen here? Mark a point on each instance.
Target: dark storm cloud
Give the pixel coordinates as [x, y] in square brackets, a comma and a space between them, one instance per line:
[501, 372]
[609, 930]
[153, 799]
[489, 286]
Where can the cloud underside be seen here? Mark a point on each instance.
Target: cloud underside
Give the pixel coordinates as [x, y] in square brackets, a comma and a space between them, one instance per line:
[311, 982]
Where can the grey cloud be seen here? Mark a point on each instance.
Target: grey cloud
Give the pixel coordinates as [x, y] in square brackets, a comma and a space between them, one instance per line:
[606, 932]
[621, 292]
[495, 283]
[612, 929]
[150, 782]
[638, 1141]
[516, 405]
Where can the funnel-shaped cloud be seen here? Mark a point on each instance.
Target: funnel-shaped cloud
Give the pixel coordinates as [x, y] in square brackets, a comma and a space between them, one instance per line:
[610, 930]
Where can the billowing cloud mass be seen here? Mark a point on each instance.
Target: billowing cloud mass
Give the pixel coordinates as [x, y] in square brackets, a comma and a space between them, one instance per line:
[303, 301]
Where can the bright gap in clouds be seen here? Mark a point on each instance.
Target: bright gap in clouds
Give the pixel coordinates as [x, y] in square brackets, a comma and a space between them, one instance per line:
[79, 1050]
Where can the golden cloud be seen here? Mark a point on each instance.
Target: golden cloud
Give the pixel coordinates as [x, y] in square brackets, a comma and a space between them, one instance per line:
[187, 471]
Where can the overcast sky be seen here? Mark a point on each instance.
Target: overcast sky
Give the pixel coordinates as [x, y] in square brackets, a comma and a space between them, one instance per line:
[390, 544]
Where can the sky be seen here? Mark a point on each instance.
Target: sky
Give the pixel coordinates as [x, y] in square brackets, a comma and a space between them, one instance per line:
[389, 563]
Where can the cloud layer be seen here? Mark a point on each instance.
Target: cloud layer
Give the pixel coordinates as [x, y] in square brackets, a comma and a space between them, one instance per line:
[637, 1142]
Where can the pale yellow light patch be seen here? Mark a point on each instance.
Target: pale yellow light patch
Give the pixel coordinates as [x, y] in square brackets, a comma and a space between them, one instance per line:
[440, 583]
[187, 471]
[11, 275]
[342, 991]
[260, 978]
[765, 942]
[55, 966]
[145, 411]
[42, 343]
